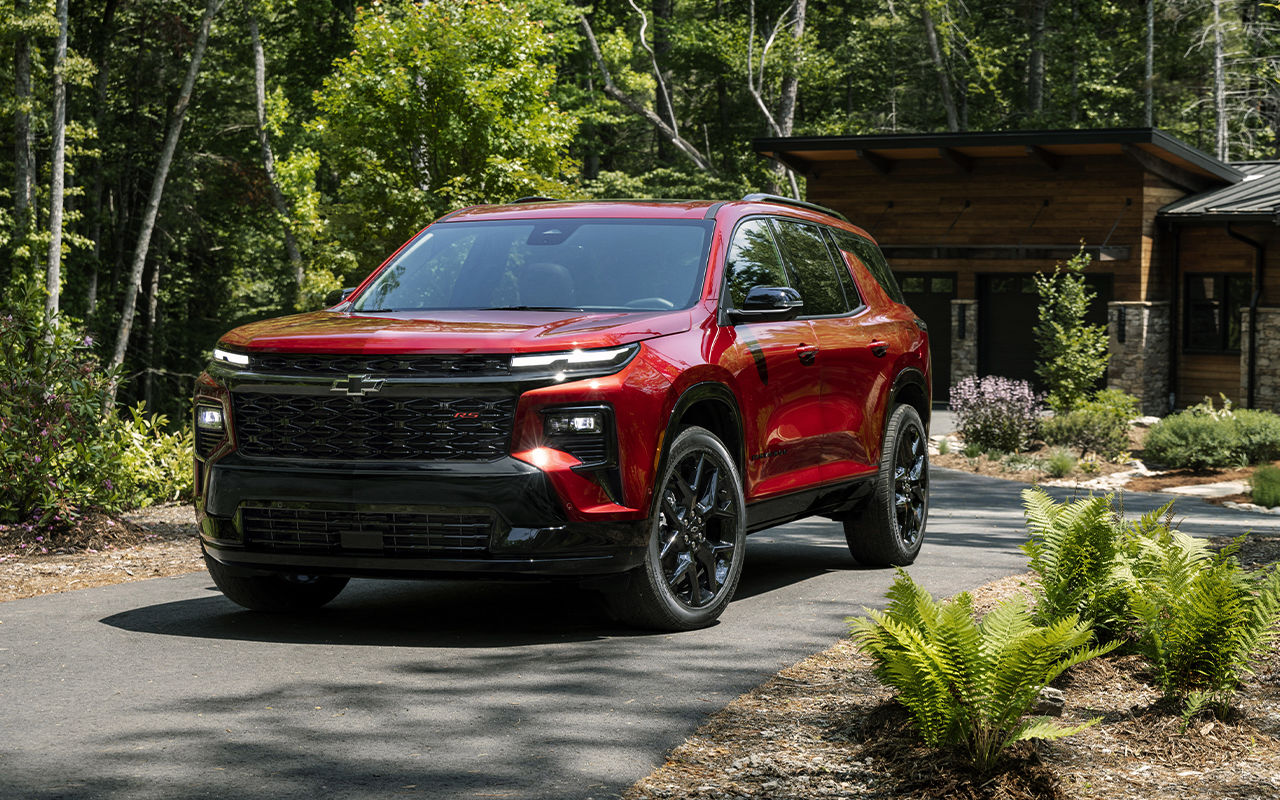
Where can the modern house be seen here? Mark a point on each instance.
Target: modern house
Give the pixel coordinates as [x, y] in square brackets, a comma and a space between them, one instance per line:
[1184, 246]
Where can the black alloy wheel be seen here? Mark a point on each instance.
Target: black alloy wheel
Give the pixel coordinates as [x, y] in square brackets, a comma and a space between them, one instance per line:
[696, 544]
[890, 528]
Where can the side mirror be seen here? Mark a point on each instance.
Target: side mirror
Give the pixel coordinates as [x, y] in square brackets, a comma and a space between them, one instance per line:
[337, 296]
[768, 303]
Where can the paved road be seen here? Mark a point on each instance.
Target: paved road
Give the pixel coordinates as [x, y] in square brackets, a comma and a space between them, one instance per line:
[163, 689]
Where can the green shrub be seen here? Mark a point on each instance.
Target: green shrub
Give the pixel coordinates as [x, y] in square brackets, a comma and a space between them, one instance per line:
[944, 446]
[1076, 550]
[1193, 441]
[1200, 618]
[1060, 464]
[1265, 486]
[1100, 425]
[155, 463]
[967, 683]
[1257, 435]
[1072, 352]
[971, 450]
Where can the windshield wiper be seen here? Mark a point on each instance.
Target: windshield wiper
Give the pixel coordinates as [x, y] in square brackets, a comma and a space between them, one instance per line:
[533, 308]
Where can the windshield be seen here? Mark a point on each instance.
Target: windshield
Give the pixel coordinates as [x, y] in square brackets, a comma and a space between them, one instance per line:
[553, 264]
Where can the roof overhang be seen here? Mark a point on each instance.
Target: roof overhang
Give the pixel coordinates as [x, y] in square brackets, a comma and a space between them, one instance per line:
[1153, 150]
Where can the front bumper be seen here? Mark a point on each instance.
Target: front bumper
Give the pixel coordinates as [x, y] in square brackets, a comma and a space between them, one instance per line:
[347, 511]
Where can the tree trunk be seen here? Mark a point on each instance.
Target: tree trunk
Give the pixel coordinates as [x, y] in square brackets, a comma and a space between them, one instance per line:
[153, 302]
[1035, 60]
[940, 67]
[58, 171]
[157, 189]
[1149, 73]
[24, 162]
[268, 158]
[663, 14]
[99, 120]
[791, 93]
[1219, 85]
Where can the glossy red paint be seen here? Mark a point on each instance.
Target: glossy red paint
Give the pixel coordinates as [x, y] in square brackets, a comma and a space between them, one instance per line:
[811, 395]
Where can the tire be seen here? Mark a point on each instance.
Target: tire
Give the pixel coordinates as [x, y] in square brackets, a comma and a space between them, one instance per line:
[697, 540]
[890, 529]
[274, 593]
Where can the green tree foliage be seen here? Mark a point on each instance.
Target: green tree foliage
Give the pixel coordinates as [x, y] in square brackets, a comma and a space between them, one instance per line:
[1073, 353]
[440, 105]
[970, 683]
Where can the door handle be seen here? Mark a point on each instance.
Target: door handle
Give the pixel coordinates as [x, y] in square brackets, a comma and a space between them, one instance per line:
[807, 353]
[878, 348]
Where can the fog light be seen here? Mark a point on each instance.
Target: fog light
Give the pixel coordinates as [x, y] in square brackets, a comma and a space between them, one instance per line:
[575, 422]
[209, 418]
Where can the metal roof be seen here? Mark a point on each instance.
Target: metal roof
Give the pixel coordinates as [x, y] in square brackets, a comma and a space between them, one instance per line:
[1255, 197]
[878, 147]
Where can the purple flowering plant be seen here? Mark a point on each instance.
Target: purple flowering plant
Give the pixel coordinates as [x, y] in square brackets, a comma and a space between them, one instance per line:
[997, 413]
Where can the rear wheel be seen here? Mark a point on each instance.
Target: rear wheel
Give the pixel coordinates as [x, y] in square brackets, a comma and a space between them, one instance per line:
[890, 528]
[278, 593]
[697, 537]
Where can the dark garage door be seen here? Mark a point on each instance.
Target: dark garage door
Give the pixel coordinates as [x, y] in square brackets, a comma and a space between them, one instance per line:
[929, 295]
[1007, 315]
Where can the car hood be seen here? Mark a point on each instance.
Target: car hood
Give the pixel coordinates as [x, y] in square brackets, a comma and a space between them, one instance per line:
[453, 331]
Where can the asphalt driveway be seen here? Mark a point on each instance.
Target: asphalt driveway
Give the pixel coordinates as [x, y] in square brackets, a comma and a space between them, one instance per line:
[163, 689]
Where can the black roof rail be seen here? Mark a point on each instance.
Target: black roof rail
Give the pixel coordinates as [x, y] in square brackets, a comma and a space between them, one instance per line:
[533, 198]
[760, 197]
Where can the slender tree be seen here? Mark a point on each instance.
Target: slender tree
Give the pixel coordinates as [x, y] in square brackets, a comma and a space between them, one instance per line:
[1219, 85]
[939, 67]
[1149, 72]
[1035, 59]
[268, 158]
[157, 188]
[105, 31]
[24, 162]
[58, 169]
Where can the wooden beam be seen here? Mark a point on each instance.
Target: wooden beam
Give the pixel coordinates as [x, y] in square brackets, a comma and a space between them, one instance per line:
[1182, 178]
[1053, 162]
[960, 160]
[801, 165]
[878, 162]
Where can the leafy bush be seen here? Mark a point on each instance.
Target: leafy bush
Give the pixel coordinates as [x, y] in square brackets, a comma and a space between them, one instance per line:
[1257, 435]
[1192, 441]
[971, 450]
[1099, 425]
[967, 683]
[59, 452]
[1060, 464]
[1265, 486]
[1073, 353]
[1200, 617]
[1076, 550]
[996, 413]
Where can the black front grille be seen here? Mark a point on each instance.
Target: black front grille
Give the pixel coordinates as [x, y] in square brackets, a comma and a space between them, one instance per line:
[416, 366]
[392, 533]
[207, 441]
[587, 448]
[339, 427]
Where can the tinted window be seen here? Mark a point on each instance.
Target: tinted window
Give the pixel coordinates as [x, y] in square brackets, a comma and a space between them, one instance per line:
[753, 261]
[811, 264]
[874, 261]
[1213, 307]
[846, 277]
[580, 263]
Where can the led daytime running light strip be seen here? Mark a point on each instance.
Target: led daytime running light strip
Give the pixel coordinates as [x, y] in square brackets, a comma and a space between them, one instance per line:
[238, 359]
[569, 357]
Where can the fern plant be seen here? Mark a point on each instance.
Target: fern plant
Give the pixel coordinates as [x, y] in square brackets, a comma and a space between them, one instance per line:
[1200, 618]
[967, 683]
[1077, 551]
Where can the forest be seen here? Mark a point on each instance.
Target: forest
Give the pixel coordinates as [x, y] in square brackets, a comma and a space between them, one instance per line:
[180, 167]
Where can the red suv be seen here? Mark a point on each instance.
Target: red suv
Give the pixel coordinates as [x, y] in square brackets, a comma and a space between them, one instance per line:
[616, 392]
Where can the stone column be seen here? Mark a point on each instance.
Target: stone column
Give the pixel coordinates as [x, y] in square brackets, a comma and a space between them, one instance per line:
[1139, 346]
[1266, 393]
[964, 339]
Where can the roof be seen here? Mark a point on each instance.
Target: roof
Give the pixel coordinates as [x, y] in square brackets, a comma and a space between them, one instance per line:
[1255, 197]
[1155, 150]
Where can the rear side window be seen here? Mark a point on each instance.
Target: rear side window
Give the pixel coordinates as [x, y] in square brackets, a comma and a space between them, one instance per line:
[753, 261]
[874, 261]
[815, 273]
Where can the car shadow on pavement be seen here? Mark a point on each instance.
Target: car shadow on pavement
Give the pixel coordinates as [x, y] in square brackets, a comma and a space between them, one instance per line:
[470, 614]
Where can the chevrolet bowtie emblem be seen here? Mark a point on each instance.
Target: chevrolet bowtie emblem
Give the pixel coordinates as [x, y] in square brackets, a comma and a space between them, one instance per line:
[357, 385]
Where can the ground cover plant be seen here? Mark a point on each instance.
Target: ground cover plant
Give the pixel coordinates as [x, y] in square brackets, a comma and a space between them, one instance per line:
[1205, 437]
[968, 683]
[1265, 486]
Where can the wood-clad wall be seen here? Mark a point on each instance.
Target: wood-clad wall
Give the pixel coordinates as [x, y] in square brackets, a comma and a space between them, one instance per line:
[922, 202]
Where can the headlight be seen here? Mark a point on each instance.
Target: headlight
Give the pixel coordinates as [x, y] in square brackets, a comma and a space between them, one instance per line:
[574, 363]
[227, 357]
[209, 418]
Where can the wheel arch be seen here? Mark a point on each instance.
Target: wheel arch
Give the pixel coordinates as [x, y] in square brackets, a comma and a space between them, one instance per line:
[709, 405]
[910, 388]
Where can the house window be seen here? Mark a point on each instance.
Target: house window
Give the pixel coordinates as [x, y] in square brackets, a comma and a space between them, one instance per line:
[1212, 311]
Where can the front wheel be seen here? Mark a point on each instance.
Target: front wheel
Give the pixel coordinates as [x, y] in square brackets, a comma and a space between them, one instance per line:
[890, 528]
[278, 593]
[697, 540]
